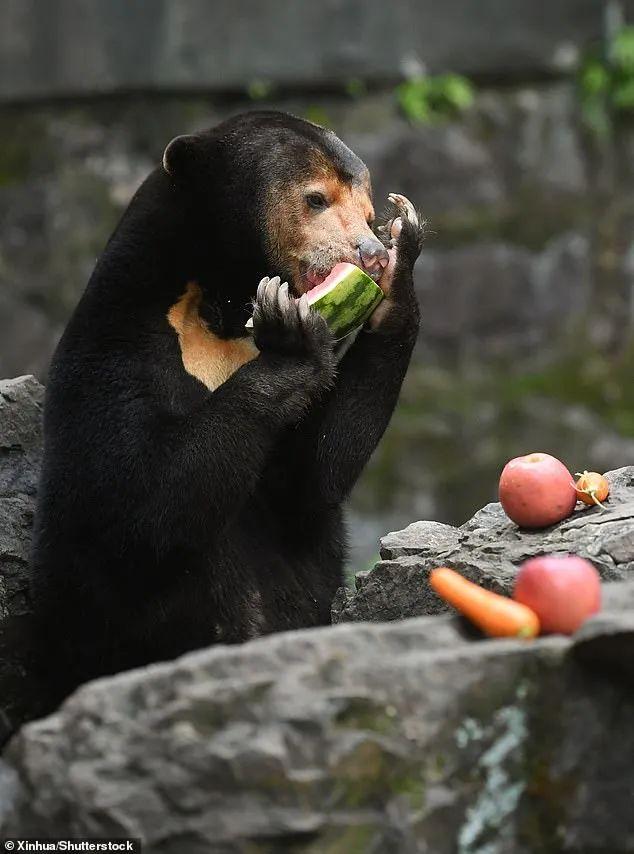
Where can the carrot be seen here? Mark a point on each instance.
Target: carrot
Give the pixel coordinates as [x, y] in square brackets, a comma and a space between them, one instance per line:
[496, 615]
[592, 488]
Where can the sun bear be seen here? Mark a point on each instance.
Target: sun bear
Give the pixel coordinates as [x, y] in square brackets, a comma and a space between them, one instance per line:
[193, 474]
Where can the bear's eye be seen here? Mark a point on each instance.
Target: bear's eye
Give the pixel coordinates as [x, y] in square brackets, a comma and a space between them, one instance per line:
[317, 201]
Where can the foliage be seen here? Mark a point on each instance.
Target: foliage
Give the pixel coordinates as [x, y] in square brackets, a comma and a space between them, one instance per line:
[607, 83]
[355, 87]
[260, 89]
[318, 115]
[430, 100]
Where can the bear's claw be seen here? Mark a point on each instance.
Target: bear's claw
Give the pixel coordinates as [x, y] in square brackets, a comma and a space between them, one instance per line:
[405, 211]
[406, 208]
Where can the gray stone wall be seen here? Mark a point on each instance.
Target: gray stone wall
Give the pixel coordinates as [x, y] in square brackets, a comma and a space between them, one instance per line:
[63, 48]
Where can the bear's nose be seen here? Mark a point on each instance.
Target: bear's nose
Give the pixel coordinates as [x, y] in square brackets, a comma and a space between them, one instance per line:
[372, 253]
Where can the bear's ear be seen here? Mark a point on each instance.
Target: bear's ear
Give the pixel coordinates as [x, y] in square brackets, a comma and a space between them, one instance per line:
[177, 154]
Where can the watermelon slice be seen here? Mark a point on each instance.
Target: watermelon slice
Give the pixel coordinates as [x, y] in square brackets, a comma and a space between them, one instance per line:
[346, 298]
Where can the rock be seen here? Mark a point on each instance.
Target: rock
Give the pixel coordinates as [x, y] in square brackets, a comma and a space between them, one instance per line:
[21, 402]
[606, 643]
[434, 536]
[392, 590]
[539, 297]
[191, 47]
[618, 597]
[402, 737]
[488, 549]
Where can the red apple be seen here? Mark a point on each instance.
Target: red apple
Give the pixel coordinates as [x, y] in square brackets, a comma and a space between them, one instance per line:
[537, 490]
[563, 590]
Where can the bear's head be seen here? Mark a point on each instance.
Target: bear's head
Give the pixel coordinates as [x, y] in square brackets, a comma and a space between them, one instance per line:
[281, 194]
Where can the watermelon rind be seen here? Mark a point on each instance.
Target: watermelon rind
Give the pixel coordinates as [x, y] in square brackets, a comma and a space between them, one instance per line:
[349, 303]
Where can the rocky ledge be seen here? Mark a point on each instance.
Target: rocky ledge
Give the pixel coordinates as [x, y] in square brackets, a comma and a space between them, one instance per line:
[21, 402]
[386, 737]
[488, 549]
[408, 736]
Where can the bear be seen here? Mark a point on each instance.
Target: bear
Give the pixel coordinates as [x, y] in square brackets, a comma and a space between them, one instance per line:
[194, 474]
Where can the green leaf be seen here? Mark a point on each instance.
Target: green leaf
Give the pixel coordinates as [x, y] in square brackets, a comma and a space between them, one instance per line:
[458, 91]
[623, 95]
[432, 99]
[622, 52]
[595, 78]
[413, 99]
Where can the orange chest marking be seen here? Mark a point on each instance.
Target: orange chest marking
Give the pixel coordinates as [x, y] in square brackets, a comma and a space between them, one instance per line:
[210, 359]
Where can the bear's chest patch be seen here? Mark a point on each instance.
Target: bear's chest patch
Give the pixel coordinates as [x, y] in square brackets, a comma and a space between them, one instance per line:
[210, 359]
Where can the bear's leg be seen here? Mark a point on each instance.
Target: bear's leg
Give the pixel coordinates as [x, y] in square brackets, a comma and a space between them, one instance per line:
[350, 421]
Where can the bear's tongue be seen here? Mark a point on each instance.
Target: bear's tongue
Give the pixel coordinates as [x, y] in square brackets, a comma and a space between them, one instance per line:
[315, 279]
[317, 290]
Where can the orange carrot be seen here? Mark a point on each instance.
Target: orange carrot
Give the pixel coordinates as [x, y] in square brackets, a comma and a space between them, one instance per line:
[496, 615]
[592, 487]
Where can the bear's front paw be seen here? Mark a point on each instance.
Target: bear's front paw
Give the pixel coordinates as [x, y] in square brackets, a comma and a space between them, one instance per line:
[289, 327]
[402, 235]
[403, 232]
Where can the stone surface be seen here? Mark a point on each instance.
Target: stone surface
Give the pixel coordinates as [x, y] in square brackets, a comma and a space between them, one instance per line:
[60, 50]
[394, 737]
[20, 454]
[503, 301]
[434, 535]
[488, 549]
